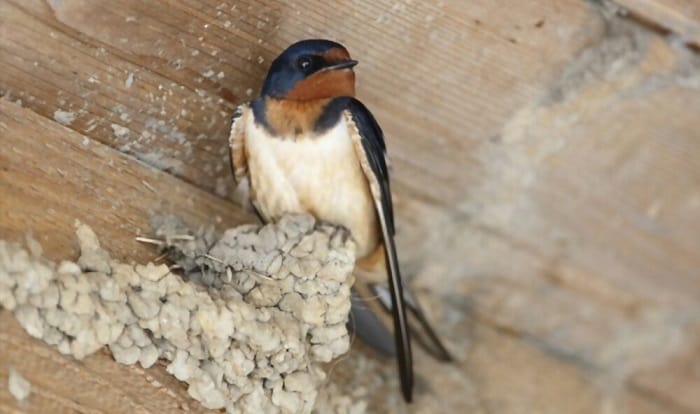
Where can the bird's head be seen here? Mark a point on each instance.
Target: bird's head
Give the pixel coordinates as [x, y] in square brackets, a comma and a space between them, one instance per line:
[311, 69]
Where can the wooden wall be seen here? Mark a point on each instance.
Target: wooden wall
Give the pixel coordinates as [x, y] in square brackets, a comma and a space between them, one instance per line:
[544, 158]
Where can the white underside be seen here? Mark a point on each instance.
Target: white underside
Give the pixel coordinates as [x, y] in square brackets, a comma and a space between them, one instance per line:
[320, 175]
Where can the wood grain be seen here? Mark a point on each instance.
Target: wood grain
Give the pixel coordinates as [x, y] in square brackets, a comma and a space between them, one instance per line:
[60, 384]
[52, 176]
[78, 56]
[544, 161]
[444, 80]
[675, 382]
[680, 17]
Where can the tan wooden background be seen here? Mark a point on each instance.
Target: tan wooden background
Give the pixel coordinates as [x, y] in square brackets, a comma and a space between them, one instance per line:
[545, 159]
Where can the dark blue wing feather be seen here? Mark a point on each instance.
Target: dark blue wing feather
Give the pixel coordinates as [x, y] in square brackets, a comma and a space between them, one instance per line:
[374, 151]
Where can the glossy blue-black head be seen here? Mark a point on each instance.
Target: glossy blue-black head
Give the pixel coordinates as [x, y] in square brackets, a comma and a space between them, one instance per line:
[311, 69]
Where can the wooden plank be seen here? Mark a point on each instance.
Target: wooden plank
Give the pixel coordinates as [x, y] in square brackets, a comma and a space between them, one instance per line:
[677, 381]
[173, 126]
[583, 233]
[60, 384]
[442, 82]
[78, 56]
[52, 176]
[680, 17]
[544, 157]
[596, 181]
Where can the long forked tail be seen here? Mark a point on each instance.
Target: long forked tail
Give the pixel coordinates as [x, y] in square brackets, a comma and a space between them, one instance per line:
[370, 307]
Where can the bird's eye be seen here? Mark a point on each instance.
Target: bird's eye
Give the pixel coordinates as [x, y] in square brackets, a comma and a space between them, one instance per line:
[304, 63]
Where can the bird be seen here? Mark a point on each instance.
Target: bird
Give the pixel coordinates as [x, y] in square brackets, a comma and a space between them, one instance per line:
[305, 144]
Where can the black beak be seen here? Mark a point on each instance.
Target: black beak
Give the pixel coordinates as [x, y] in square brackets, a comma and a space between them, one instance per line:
[346, 64]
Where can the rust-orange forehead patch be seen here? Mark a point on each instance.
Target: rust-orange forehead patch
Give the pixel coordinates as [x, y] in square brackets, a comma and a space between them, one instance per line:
[336, 54]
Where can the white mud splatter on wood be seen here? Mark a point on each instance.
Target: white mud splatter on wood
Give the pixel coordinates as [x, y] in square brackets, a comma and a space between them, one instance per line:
[18, 386]
[64, 117]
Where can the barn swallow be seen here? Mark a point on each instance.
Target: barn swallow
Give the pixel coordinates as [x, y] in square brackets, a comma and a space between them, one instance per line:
[306, 145]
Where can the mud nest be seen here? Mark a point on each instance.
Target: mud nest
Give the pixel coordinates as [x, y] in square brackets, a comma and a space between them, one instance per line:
[246, 320]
